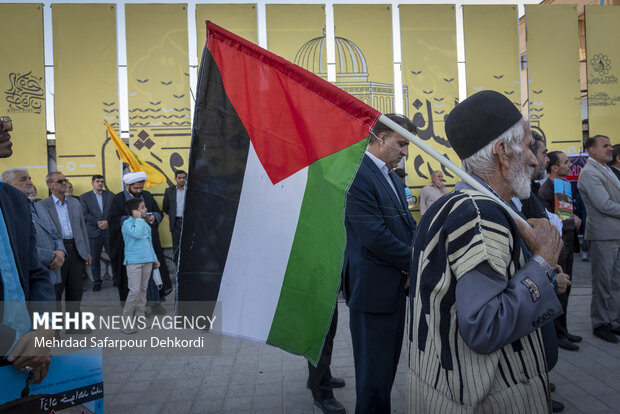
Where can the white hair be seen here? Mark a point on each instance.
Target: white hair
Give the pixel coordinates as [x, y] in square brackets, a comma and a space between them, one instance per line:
[8, 176]
[482, 163]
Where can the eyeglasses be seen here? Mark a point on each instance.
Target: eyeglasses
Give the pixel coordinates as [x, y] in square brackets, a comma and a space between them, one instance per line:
[62, 181]
[6, 123]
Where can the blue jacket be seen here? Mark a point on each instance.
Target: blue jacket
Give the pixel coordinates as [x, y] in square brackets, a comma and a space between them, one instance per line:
[379, 237]
[138, 243]
[34, 278]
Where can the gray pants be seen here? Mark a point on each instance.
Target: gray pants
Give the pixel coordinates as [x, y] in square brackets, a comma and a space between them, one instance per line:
[605, 307]
[137, 281]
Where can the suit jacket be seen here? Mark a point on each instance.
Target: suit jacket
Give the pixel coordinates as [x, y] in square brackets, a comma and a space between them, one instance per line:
[170, 204]
[76, 218]
[33, 277]
[601, 195]
[48, 240]
[616, 171]
[92, 212]
[379, 238]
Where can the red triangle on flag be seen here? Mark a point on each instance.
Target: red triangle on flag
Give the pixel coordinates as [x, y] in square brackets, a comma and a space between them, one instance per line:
[292, 116]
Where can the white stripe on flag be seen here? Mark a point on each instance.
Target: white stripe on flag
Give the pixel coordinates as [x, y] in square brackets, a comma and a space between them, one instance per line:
[259, 250]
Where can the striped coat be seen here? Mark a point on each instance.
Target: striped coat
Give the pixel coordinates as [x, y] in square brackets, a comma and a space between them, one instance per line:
[459, 232]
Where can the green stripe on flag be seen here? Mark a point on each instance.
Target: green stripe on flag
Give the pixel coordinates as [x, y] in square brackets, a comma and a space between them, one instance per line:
[310, 286]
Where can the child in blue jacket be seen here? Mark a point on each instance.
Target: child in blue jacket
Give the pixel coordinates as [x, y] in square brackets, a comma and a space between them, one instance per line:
[140, 258]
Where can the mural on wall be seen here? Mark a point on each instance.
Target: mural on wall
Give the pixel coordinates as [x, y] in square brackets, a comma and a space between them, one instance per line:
[602, 63]
[429, 68]
[25, 93]
[84, 38]
[352, 72]
[553, 72]
[22, 88]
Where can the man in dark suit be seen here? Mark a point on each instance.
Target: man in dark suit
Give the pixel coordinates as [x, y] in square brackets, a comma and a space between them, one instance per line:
[174, 202]
[376, 266]
[96, 207]
[66, 213]
[50, 249]
[22, 279]
[134, 187]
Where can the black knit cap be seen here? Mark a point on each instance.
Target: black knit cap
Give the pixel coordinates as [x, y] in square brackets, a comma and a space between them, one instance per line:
[478, 120]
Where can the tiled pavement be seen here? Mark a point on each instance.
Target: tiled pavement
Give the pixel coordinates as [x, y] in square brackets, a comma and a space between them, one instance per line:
[248, 377]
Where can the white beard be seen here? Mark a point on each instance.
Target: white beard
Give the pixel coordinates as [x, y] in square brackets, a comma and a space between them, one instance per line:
[519, 177]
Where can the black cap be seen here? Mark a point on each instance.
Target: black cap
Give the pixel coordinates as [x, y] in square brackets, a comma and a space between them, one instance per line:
[478, 120]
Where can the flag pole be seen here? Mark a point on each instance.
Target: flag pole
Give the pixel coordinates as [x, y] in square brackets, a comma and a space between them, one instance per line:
[448, 164]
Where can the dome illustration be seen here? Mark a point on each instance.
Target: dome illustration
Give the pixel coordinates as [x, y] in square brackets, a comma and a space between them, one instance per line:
[351, 72]
[350, 61]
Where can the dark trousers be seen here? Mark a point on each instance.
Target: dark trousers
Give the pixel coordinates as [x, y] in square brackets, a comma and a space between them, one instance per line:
[377, 342]
[566, 261]
[319, 376]
[96, 245]
[70, 278]
[176, 239]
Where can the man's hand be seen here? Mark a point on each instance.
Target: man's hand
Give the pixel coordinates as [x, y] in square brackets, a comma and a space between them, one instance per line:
[563, 282]
[26, 353]
[58, 260]
[407, 282]
[577, 221]
[156, 265]
[89, 260]
[150, 219]
[102, 224]
[542, 238]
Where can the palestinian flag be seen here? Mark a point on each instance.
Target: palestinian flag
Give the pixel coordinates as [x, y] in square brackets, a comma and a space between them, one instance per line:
[274, 150]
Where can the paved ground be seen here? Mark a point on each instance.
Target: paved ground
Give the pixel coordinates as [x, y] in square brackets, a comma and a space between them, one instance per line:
[252, 378]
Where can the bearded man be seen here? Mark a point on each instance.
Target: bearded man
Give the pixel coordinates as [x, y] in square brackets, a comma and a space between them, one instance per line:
[481, 282]
[134, 187]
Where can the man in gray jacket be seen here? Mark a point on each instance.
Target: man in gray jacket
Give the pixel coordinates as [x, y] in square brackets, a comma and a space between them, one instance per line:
[600, 190]
[50, 249]
[66, 213]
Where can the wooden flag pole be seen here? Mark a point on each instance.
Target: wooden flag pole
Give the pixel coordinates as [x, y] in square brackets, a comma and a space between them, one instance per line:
[471, 181]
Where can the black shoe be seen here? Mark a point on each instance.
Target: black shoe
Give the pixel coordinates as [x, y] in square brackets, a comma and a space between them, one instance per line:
[605, 334]
[566, 344]
[330, 406]
[615, 331]
[333, 383]
[573, 338]
[557, 406]
[96, 287]
[552, 387]
[336, 382]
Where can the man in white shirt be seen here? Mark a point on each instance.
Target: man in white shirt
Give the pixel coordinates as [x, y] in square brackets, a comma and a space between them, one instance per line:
[174, 202]
[66, 213]
[96, 207]
[433, 191]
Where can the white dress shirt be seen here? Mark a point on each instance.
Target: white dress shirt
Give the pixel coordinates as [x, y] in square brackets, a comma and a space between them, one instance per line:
[180, 201]
[62, 210]
[384, 170]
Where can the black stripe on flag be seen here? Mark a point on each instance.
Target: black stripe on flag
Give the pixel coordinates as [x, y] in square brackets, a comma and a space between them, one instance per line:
[217, 162]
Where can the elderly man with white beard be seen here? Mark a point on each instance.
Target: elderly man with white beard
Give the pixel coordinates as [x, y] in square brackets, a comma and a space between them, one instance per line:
[482, 284]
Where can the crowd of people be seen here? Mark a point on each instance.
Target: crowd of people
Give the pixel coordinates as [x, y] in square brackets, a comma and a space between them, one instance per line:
[487, 278]
[49, 244]
[488, 292]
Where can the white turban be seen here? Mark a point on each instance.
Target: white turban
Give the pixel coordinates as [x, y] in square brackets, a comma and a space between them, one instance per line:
[134, 177]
